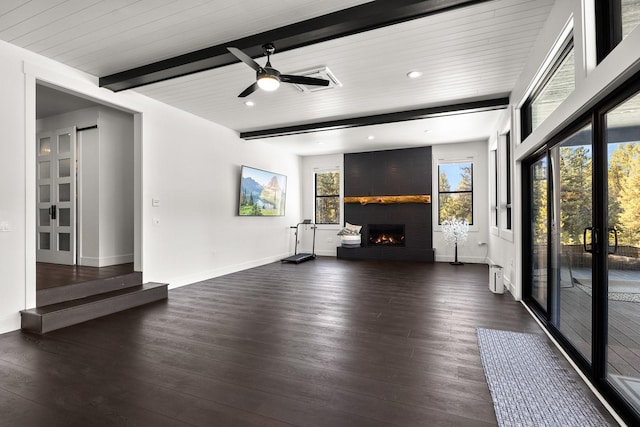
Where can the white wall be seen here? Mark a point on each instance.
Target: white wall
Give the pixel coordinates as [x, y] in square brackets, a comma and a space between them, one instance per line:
[12, 184]
[89, 191]
[193, 168]
[191, 165]
[85, 117]
[116, 181]
[474, 250]
[327, 239]
[501, 242]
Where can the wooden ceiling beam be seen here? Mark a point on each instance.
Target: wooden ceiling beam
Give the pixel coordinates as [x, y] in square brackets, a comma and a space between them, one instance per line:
[495, 103]
[357, 19]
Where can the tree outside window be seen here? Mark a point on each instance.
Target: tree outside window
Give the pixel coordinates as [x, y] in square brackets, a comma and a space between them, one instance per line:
[327, 195]
[455, 191]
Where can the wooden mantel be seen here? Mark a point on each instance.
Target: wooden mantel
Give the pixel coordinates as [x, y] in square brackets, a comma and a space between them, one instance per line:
[387, 200]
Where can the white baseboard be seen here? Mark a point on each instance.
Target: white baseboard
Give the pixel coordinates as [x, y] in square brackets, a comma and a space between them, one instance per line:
[178, 282]
[105, 261]
[465, 259]
[327, 252]
[509, 286]
[10, 322]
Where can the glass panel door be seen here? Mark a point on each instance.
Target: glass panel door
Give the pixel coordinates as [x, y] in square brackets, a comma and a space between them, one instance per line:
[56, 197]
[571, 225]
[623, 261]
[539, 228]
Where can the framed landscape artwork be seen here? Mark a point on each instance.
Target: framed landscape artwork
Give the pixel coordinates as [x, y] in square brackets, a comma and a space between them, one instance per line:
[262, 193]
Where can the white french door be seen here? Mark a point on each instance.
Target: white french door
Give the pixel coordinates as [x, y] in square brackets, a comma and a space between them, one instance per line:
[56, 197]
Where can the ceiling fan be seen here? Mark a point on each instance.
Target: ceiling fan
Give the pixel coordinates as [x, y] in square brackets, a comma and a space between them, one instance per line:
[267, 77]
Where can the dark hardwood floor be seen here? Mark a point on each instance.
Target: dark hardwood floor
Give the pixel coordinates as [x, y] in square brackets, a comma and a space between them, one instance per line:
[54, 275]
[327, 342]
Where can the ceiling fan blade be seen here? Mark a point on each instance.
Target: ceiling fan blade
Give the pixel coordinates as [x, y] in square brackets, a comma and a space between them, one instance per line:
[244, 58]
[249, 90]
[303, 80]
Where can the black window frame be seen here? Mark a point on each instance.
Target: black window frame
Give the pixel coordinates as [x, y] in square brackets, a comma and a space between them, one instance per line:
[609, 26]
[326, 196]
[470, 162]
[507, 151]
[496, 189]
[526, 119]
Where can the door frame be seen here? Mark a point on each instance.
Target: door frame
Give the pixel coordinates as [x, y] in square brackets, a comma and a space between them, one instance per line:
[79, 86]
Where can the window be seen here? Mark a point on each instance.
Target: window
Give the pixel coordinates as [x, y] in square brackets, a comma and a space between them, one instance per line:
[507, 177]
[455, 191]
[630, 11]
[558, 83]
[494, 186]
[615, 19]
[327, 195]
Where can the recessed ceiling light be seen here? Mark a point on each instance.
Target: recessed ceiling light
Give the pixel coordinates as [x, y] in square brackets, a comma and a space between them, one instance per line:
[414, 74]
[249, 103]
[370, 137]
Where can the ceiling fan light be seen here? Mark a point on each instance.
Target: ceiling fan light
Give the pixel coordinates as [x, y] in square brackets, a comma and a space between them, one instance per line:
[268, 83]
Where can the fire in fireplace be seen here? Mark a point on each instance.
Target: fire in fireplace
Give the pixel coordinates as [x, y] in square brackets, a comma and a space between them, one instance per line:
[386, 235]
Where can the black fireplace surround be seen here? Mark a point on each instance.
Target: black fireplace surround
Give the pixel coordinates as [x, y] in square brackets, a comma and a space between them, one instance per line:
[390, 173]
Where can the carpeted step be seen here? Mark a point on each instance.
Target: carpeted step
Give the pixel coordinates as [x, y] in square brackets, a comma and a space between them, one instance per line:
[55, 316]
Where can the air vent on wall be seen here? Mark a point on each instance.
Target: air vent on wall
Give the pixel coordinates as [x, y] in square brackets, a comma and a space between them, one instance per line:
[321, 72]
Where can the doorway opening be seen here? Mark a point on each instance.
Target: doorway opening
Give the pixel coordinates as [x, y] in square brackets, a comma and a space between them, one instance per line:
[85, 168]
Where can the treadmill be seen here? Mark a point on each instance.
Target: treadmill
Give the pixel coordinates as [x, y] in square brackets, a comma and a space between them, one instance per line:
[297, 258]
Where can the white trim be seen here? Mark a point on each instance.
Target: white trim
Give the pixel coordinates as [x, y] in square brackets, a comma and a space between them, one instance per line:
[543, 69]
[85, 86]
[327, 252]
[587, 40]
[463, 259]
[337, 226]
[178, 282]
[507, 234]
[30, 191]
[105, 261]
[436, 184]
[508, 285]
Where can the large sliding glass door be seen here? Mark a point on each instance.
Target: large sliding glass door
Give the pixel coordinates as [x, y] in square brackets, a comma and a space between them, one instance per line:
[539, 232]
[571, 234]
[623, 258]
[583, 241]
[561, 224]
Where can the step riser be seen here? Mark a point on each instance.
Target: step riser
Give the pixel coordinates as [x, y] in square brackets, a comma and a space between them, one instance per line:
[85, 289]
[43, 323]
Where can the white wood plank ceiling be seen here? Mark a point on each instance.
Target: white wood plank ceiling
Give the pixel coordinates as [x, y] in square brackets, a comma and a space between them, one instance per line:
[464, 54]
[106, 36]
